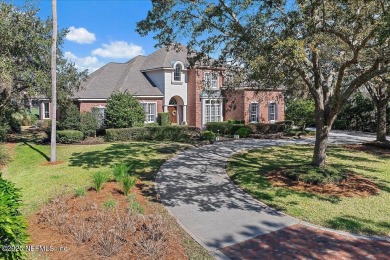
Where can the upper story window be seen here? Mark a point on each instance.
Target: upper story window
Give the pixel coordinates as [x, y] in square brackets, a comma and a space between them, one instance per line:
[177, 72]
[211, 80]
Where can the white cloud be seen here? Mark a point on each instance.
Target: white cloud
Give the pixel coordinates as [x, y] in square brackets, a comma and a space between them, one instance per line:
[119, 49]
[80, 35]
[91, 63]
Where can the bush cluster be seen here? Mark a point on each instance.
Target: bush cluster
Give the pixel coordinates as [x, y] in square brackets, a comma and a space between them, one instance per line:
[226, 128]
[277, 127]
[69, 117]
[168, 133]
[123, 110]
[317, 175]
[88, 124]
[163, 119]
[13, 226]
[243, 132]
[207, 136]
[69, 136]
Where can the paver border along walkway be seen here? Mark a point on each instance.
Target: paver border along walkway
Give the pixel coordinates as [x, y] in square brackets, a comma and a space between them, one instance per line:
[195, 188]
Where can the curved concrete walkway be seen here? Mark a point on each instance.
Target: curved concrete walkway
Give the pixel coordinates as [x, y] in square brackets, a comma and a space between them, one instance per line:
[195, 188]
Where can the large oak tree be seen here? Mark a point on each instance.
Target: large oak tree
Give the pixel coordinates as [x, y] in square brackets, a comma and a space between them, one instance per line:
[330, 47]
[25, 58]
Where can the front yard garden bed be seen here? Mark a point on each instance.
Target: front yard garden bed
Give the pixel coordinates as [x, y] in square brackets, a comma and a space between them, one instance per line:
[41, 181]
[359, 203]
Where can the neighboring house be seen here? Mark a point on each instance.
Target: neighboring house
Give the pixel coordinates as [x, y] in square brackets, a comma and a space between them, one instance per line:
[164, 82]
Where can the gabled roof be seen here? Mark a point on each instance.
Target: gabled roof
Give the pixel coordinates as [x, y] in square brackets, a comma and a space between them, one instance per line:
[118, 77]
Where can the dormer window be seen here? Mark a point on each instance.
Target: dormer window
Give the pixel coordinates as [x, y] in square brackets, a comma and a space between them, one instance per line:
[177, 72]
[211, 80]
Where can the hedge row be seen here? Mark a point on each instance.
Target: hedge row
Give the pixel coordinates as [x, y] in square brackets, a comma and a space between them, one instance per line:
[69, 136]
[159, 133]
[226, 128]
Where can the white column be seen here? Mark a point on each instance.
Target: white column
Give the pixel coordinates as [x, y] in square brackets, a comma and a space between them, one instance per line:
[185, 114]
[165, 108]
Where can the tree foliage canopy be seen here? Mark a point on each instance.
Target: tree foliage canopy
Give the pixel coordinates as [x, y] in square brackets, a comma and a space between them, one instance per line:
[123, 110]
[25, 42]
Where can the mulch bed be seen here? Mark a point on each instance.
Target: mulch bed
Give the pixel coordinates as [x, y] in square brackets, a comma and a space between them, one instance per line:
[373, 148]
[353, 185]
[44, 233]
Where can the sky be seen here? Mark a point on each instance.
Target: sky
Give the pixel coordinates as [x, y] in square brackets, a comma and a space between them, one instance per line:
[101, 31]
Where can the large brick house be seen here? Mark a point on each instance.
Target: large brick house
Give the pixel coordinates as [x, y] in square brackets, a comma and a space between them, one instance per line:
[164, 82]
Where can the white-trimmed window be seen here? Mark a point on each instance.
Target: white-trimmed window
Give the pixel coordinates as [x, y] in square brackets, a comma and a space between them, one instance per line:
[254, 114]
[211, 80]
[272, 112]
[150, 112]
[212, 110]
[46, 110]
[177, 72]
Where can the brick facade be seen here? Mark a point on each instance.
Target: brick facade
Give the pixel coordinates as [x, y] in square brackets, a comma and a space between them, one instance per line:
[194, 105]
[237, 103]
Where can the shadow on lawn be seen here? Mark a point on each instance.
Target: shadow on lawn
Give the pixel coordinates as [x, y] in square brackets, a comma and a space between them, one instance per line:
[47, 158]
[141, 155]
[359, 225]
[250, 170]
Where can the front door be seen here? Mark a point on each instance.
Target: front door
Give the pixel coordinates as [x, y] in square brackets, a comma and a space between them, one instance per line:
[172, 110]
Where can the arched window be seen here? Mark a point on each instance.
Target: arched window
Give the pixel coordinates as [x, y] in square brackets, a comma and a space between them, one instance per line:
[177, 73]
[172, 101]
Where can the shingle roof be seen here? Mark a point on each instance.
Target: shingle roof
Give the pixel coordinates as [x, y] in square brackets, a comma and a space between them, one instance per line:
[164, 58]
[118, 77]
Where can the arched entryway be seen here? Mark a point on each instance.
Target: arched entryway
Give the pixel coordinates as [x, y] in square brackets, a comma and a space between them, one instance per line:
[177, 110]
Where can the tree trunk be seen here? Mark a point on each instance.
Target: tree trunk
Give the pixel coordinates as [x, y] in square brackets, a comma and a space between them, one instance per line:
[53, 143]
[381, 121]
[321, 144]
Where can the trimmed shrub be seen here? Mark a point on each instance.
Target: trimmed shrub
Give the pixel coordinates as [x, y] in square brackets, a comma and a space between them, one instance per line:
[124, 110]
[4, 128]
[69, 136]
[163, 119]
[69, 117]
[233, 121]
[261, 128]
[88, 124]
[168, 133]
[208, 136]
[127, 184]
[224, 128]
[243, 132]
[99, 178]
[13, 226]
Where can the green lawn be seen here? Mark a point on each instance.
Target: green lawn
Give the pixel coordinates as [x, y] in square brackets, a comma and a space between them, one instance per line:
[369, 215]
[40, 182]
